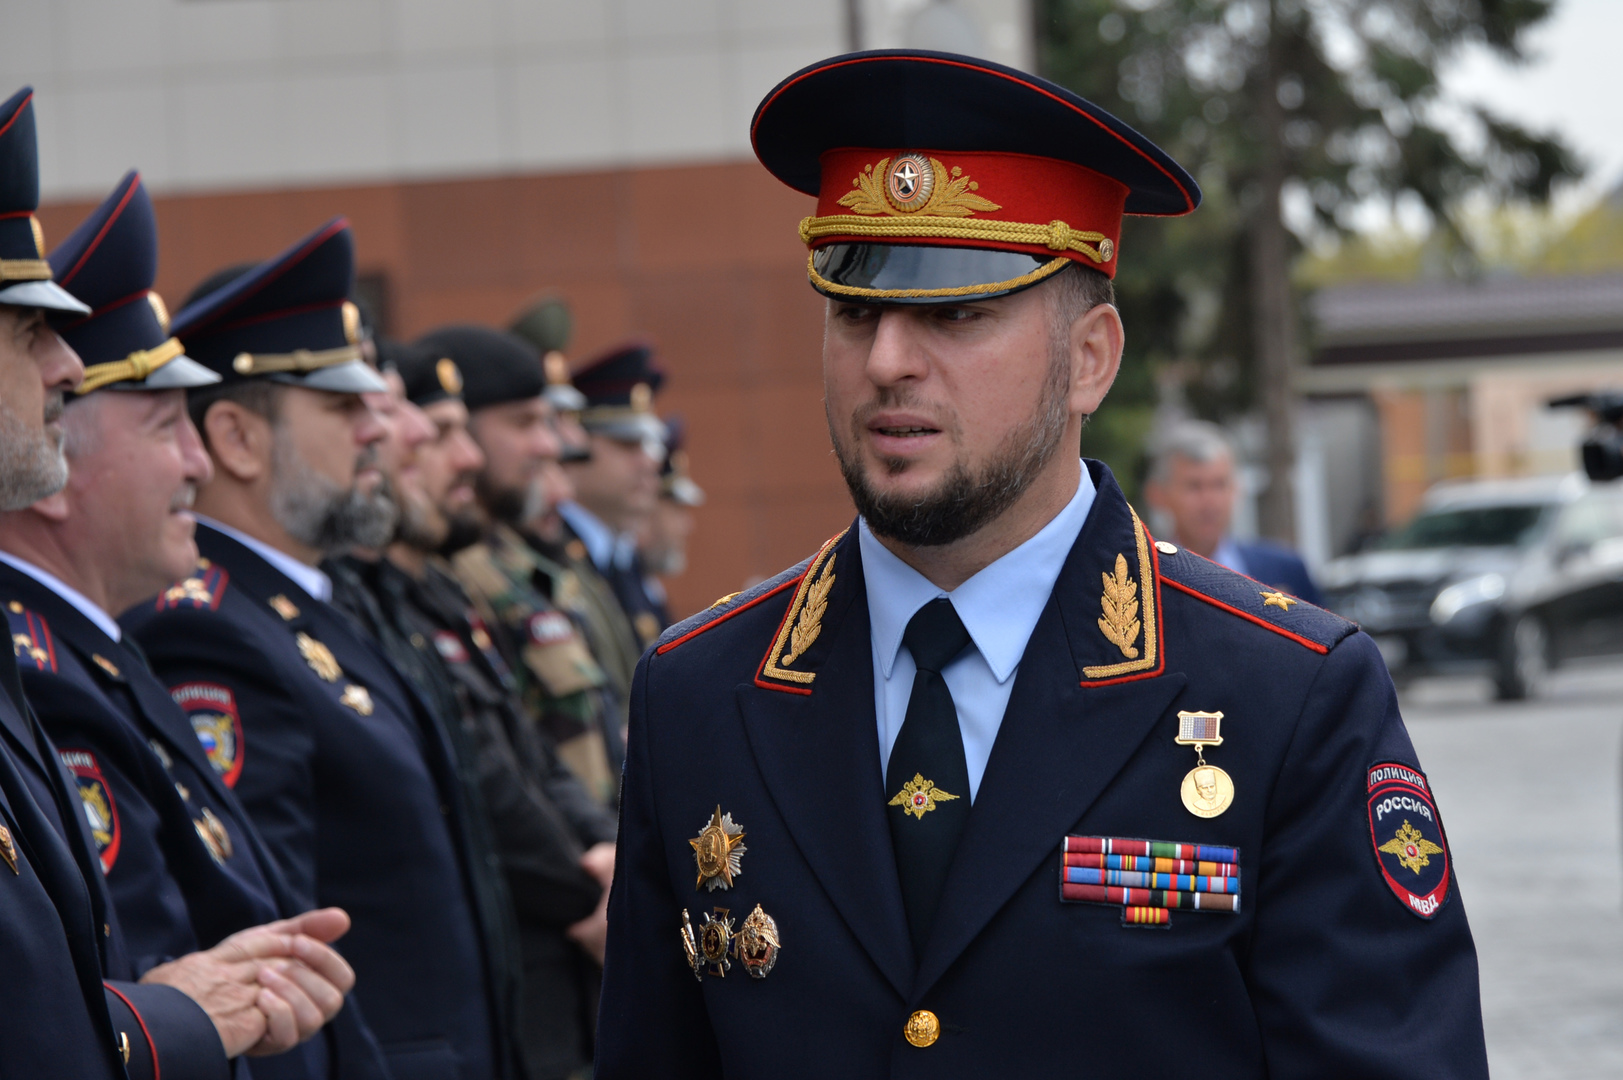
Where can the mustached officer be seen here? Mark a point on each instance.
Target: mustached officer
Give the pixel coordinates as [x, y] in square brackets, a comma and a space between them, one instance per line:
[995, 784]
[73, 1007]
[343, 768]
[185, 867]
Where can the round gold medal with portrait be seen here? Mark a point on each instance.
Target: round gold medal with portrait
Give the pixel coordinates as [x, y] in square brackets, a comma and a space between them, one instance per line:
[1207, 791]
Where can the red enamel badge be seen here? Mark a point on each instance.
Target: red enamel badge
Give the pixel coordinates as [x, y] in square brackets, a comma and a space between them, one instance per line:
[449, 646]
[101, 813]
[1407, 832]
[212, 709]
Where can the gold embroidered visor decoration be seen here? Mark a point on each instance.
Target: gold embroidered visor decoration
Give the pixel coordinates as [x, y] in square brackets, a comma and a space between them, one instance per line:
[857, 292]
[299, 361]
[133, 368]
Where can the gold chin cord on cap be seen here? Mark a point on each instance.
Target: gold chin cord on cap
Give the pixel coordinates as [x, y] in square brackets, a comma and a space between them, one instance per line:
[24, 270]
[133, 368]
[1055, 236]
[299, 360]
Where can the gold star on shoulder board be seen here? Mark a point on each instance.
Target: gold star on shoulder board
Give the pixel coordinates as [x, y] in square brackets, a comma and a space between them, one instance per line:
[1275, 598]
[319, 657]
[719, 851]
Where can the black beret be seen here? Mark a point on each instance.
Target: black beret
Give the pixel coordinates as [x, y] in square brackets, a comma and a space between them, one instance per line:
[497, 367]
[429, 374]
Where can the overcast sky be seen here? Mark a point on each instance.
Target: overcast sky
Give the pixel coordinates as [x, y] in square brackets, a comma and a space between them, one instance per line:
[1570, 85]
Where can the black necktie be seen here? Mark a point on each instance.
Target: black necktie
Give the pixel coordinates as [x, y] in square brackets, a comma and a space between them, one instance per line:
[927, 779]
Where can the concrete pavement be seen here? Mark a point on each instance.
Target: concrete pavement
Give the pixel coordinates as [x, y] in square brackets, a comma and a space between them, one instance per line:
[1529, 794]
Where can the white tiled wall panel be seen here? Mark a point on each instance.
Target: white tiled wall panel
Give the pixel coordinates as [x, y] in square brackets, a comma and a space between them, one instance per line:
[222, 94]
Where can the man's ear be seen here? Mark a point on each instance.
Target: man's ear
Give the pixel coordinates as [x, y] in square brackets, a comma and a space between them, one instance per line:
[239, 440]
[53, 508]
[1097, 338]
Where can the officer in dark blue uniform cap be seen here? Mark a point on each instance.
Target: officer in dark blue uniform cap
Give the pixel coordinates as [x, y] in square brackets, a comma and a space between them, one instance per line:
[58, 927]
[617, 486]
[59, 923]
[996, 784]
[342, 766]
[184, 865]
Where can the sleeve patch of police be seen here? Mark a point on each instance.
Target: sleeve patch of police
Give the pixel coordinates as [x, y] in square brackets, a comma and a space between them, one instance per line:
[101, 813]
[212, 710]
[550, 627]
[1407, 833]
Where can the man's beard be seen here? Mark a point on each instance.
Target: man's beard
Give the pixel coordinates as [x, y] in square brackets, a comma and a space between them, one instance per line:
[505, 505]
[319, 513]
[32, 464]
[963, 501]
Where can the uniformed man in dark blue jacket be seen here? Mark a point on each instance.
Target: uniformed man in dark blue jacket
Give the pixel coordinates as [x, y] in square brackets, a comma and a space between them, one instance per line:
[71, 1005]
[184, 865]
[342, 767]
[996, 784]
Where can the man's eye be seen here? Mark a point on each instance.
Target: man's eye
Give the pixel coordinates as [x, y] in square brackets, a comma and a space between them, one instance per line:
[956, 314]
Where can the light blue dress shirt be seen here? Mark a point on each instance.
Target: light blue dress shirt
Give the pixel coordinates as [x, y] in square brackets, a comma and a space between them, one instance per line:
[1228, 554]
[607, 549]
[999, 606]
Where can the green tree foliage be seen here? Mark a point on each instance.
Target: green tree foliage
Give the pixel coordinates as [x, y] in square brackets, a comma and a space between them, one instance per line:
[1323, 105]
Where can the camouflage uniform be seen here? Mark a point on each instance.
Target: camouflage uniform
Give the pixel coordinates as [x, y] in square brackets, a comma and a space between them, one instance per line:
[531, 605]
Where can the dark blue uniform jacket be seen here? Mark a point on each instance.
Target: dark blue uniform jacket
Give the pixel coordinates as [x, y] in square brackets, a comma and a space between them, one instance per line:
[1336, 963]
[183, 863]
[69, 1005]
[351, 787]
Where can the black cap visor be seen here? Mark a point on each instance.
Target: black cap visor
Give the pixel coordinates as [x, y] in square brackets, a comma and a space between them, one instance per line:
[924, 273]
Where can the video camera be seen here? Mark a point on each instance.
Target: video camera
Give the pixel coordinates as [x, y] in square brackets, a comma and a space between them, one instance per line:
[1603, 447]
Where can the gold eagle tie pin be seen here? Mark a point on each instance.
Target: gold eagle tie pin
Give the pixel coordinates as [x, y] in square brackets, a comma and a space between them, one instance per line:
[1207, 790]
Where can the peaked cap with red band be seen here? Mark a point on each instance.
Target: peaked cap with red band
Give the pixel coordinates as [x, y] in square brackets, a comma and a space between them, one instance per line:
[25, 276]
[941, 177]
[289, 319]
[110, 262]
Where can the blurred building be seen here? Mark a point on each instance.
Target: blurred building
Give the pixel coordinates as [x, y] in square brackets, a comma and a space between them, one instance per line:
[1411, 383]
[491, 150]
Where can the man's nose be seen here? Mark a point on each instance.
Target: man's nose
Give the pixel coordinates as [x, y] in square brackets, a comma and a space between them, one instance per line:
[895, 353]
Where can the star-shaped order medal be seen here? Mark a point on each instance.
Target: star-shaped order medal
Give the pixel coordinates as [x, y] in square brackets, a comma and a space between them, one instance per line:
[1413, 850]
[719, 851]
[919, 796]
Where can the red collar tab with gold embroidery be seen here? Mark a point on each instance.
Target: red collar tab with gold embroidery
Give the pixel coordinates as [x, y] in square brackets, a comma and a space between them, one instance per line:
[943, 177]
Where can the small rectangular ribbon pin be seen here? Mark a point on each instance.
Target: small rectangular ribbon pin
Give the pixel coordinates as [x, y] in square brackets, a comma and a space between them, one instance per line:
[1149, 878]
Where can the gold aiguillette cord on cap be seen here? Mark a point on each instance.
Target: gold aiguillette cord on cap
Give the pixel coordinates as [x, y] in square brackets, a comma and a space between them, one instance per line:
[300, 360]
[134, 367]
[25, 270]
[1055, 236]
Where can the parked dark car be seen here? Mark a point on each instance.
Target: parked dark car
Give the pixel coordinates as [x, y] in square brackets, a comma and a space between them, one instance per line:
[1433, 593]
[1565, 600]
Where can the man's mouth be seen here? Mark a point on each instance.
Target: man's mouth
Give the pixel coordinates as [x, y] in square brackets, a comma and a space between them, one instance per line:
[906, 432]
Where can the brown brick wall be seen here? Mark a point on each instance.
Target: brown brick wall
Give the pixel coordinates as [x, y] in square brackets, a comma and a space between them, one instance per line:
[702, 259]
